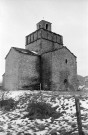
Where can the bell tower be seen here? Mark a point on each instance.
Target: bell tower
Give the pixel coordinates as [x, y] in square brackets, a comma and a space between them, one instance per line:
[44, 25]
[43, 39]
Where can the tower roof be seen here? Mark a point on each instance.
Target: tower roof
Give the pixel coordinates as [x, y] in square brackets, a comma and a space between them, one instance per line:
[44, 24]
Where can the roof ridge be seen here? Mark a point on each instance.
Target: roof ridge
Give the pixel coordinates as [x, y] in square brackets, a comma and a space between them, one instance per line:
[61, 48]
[25, 51]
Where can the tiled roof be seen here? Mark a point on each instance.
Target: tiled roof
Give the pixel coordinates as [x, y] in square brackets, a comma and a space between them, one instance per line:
[25, 51]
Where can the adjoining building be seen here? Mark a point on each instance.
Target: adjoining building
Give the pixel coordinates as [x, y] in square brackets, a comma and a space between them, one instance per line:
[44, 63]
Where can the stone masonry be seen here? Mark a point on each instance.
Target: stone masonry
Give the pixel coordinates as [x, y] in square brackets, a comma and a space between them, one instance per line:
[44, 62]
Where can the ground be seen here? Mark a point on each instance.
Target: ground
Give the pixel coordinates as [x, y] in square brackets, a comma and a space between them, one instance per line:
[13, 123]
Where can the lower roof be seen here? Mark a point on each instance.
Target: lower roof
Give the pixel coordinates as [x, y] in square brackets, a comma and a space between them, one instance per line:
[23, 51]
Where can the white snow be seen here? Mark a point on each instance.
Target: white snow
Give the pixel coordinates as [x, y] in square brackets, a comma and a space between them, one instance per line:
[13, 122]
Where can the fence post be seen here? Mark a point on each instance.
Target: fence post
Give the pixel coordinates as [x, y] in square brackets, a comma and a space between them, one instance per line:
[78, 114]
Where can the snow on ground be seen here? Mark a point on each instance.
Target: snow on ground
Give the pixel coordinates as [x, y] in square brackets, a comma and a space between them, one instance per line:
[12, 122]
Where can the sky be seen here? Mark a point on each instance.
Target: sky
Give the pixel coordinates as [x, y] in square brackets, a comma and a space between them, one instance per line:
[69, 18]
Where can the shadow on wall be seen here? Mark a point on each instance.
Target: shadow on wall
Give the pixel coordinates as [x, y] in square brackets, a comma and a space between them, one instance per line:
[43, 70]
[46, 72]
[32, 83]
[31, 87]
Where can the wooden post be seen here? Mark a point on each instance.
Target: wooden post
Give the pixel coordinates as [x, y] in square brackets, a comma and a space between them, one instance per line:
[78, 114]
[40, 71]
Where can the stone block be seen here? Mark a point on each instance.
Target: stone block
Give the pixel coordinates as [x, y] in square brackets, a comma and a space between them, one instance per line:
[58, 39]
[35, 35]
[39, 33]
[28, 39]
[54, 37]
[44, 34]
[32, 37]
[50, 36]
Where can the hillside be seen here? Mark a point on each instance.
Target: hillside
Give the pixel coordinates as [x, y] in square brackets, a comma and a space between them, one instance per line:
[21, 121]
[83, 81]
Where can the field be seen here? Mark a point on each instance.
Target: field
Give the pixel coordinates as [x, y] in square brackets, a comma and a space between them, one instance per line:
[64, 121]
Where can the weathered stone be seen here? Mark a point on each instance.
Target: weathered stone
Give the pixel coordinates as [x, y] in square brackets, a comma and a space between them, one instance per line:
[45, 61]
[59, 70]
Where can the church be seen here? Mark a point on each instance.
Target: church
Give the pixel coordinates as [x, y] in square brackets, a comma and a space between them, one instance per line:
[44, 64]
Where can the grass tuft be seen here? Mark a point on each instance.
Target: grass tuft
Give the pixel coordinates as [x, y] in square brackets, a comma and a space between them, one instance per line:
[41, 110]
[7, 104]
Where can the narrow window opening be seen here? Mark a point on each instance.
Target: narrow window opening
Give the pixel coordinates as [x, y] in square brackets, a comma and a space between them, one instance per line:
[46, 26]
[66, 61]
[65, 81]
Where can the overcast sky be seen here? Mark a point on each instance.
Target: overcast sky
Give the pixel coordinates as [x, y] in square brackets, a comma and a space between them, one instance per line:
[69, 18]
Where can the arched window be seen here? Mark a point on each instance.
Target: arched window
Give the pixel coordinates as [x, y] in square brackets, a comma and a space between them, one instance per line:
[46, 26]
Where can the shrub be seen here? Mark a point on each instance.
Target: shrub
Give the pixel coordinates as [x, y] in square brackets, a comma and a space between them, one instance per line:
[41, 110]
[8, 104]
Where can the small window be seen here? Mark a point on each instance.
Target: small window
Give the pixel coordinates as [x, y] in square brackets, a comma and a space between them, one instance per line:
[65, 81]
[66, 61]
[46, 26]
[39, 26]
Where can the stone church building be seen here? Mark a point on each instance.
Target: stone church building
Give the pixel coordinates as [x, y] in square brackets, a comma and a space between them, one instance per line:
[45, 63]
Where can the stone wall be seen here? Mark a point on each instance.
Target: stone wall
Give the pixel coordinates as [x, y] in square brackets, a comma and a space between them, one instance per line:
[22, 71]
[42, 33]
[65, 70]
[28, 72]
[34, 46]
[60, 72]
[11, 71]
